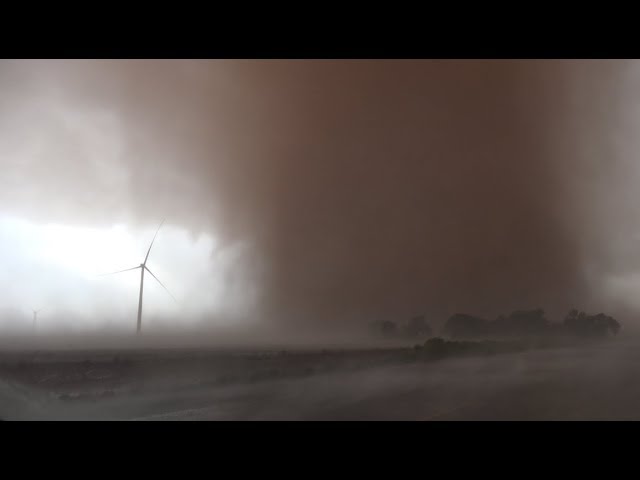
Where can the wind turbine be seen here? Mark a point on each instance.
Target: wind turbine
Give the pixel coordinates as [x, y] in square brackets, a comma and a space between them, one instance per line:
[143, 267]
[35, 317]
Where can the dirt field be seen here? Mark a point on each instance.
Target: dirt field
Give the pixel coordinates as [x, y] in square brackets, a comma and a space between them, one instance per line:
[595, 382]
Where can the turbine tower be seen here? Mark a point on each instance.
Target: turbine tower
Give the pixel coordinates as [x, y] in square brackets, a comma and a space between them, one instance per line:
[143, 267]
[35, 318]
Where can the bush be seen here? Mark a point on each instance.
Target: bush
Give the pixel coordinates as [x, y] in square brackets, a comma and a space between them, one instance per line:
[435, 346]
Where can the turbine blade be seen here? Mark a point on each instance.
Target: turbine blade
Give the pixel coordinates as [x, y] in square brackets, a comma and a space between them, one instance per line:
[119, 271]
[174, 298]
[151, 245]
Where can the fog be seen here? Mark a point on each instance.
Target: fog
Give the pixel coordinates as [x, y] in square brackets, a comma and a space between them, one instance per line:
[57, 270]
[316, 196]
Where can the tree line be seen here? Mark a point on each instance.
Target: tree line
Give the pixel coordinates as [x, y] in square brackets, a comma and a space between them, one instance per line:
[517, 324]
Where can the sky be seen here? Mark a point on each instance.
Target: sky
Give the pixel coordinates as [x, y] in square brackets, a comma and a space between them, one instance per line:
[316, 193]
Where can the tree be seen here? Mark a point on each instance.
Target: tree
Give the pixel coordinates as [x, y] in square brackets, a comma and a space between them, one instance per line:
[389, 328]
[604, 324]
[463, 325]
[418, 327]
[581, 324]
[526, 322]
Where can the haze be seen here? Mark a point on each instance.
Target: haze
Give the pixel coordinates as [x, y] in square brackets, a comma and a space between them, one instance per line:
[316, 195]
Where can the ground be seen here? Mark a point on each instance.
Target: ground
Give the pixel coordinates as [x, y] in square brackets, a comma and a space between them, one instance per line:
[589, 382]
